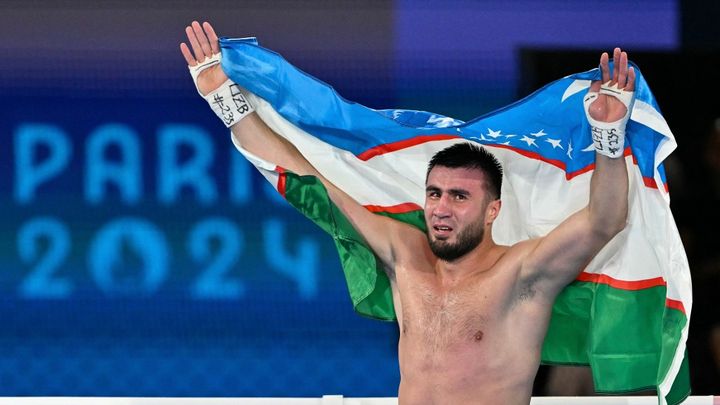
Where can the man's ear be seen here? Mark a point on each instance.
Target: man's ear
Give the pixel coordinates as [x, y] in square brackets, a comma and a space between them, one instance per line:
[492, 211]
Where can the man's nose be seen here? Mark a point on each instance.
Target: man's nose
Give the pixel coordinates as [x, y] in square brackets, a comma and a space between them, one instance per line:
[442, 207]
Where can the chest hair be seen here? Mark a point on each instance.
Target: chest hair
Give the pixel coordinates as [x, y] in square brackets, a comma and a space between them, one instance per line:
[443, 320]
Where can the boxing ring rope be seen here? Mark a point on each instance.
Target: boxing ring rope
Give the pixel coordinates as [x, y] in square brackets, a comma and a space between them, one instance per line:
[328, 400]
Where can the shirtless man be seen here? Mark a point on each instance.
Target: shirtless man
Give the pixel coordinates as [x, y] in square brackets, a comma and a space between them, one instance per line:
[472, 314]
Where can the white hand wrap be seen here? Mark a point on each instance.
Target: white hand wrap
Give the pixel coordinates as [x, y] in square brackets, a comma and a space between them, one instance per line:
[609, 137]
[227, 101]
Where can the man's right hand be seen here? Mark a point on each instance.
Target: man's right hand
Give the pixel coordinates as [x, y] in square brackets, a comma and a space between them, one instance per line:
[607, 108]
[204, 44]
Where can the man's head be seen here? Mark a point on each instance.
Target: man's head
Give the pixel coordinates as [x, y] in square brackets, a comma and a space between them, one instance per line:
[462, 199]
[470, 156]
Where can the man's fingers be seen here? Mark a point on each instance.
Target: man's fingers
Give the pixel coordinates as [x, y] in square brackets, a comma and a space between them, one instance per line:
[212, 37]
[189, 58]
[202, 38]
[604, 69]
[197, 49]
[631, 79]
[622, 70]
[616, 64]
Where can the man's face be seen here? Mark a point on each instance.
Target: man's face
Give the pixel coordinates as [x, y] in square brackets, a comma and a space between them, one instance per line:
[455, 206]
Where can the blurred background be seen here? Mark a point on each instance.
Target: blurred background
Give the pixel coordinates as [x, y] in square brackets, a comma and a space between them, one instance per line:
[140, 255]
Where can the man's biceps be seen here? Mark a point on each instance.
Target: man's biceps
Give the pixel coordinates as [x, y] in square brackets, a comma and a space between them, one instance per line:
[373, 226]
[573, 257]
[553, 249]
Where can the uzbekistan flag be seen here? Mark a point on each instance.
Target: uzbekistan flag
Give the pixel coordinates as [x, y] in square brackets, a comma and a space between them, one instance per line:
[626, 315]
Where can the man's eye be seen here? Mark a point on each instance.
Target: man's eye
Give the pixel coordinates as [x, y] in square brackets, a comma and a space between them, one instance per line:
[460, 197]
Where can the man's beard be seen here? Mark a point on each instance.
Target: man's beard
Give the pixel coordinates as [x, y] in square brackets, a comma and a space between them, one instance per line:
[467, 240]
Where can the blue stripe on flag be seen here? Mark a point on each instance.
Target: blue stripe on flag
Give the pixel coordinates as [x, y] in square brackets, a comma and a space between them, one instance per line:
[541, 124]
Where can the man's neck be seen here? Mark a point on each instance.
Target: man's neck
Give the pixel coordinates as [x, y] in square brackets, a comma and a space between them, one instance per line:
[478, 260]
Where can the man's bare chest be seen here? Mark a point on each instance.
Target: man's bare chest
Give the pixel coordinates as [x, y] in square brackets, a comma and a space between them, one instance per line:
[450, 318]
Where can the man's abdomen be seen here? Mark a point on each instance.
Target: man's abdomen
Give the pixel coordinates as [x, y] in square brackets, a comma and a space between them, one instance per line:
[464, 373]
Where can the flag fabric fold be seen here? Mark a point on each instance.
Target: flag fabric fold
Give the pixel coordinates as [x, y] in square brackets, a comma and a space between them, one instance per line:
[626, 315]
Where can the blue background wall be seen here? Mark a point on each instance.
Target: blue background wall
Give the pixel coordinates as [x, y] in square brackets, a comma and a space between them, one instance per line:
[141, 256]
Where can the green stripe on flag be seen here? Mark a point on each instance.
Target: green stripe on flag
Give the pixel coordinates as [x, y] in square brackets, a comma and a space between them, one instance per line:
[627, 337]
[368, 285]
[681, 386]
[414, 218]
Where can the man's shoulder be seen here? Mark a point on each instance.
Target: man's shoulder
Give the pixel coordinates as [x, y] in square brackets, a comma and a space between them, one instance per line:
[520, 249]
[407, 235]
[512, 260]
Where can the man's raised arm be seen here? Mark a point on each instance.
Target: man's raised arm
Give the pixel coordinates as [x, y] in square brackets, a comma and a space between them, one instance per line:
[556, 259]
[256, 137]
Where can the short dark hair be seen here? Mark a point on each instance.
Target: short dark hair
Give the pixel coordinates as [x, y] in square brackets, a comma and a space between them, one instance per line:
[471, 156]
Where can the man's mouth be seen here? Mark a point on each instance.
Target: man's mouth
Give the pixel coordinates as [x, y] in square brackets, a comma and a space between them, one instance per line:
[442, 229]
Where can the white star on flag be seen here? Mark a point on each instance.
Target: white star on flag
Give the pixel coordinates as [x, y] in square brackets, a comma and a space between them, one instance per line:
[510, 136]
[570, 149]
[554, 142]
[493, 134]
[528, 140]
[539, 133]
[590, 148]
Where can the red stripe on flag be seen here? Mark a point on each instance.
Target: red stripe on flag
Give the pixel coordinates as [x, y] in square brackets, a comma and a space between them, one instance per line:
[632, 286]
[621, 284]
[649, 182]
[675, 304]
[533, 155]
[282, 180]
[394, 209]
[395, 146]
[407, 143]
[591, 167]
[588, 168]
